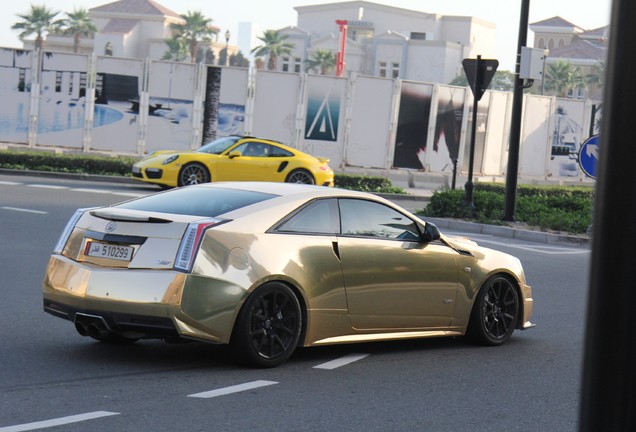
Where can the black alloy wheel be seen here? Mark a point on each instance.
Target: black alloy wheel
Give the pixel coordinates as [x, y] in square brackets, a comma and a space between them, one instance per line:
[300, 176]
[193, 173]
[495, 313]
[268, 327]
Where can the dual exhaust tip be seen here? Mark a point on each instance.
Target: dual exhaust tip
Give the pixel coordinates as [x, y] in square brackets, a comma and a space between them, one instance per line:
[91, 325]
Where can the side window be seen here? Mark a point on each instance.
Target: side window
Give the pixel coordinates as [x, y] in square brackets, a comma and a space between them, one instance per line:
[255, 149]
[371, 219]
[279, 152]
[318, 217]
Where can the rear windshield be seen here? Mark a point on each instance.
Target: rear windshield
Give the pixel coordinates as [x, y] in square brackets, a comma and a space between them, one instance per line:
[208, 202]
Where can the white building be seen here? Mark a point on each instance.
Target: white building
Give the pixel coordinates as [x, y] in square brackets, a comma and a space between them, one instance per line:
[388, 41]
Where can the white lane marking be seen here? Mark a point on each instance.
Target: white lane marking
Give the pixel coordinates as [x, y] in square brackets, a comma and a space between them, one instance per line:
[129, 194]
[549, 250]
[58, 421]
[232, 389]
[9, 183]
[24, 210]
[343, 361]
[101, 191]
[44, 186]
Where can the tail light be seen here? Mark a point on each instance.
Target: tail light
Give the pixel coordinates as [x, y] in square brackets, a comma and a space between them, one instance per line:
[59, 247]
[191, 241]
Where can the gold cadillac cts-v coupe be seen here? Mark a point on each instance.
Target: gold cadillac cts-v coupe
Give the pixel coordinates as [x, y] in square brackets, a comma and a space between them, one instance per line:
[267, 267]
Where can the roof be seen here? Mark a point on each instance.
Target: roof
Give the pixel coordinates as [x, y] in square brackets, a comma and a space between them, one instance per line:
[136, 7]
[555, 21]
[580, 49]
[120, 26]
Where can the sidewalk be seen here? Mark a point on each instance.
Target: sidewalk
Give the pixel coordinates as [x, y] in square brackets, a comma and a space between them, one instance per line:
[419, 188]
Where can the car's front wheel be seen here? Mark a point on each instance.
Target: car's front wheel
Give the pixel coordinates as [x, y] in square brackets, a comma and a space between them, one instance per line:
[268, 327]
[193, 173]
[495, 313]
[300, 176]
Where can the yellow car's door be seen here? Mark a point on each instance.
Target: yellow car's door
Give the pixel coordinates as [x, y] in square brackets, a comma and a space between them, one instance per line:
[249, 161]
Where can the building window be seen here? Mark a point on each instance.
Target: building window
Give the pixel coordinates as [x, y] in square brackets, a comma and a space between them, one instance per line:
[395, 70]
[541, 43]
[418, 36]
[561, 43]
[297, 64]
[382, 70]
[551, 44]
[285, 64]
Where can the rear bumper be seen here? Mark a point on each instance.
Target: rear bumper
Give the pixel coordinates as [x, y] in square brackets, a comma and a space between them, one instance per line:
[156, 303]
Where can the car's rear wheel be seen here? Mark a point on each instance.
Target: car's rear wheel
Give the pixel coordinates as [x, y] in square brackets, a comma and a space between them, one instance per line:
[268, 327]
[193, 173]
[300, 176]
[495, 313]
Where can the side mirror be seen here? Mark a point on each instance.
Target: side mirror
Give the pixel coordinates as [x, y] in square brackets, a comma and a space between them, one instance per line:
[431, 233]
[235, 153]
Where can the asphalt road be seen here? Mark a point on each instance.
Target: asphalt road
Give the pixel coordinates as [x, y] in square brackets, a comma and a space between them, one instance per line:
[50, 375]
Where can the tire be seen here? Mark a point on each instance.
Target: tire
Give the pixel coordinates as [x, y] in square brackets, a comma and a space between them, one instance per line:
[495, 313]
[300, 176]
[193, 173]
[268, 327]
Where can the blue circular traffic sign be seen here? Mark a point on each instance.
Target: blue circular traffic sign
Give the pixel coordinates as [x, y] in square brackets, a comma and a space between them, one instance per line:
[588, 155]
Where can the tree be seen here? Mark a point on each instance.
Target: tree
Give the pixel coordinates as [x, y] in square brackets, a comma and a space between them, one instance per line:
[501, 81]
[196, 28]
[597, 76]
[561, 77]
[39, 22]
[177, 49]
[274, 45]
[77, 23]
[322, 60]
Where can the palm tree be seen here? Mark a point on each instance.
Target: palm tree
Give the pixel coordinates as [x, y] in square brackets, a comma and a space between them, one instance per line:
[197, 28]
[273, 46]
[322, 60]
[597, 77]
[561, 77]
[177, 49]
[77, 23]
[38, 22]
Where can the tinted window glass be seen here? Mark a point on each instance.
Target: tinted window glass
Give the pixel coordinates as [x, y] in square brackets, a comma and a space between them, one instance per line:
[319, 217]
[209, 202]
[218, 146]
[370, 219]
[279, 152]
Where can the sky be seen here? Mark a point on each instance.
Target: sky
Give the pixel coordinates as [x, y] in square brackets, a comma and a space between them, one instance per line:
[276, 14]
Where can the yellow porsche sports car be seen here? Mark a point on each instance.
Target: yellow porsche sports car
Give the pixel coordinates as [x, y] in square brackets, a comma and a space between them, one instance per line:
[267, 267]
[234, 158]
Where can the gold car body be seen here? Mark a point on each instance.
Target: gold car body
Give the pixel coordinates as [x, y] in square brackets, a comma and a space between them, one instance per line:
[381, 290]
[270, 162]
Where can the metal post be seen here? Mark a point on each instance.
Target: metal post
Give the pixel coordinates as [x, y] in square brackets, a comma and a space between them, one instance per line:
[515, 124]
[469, 187]
[227, 45]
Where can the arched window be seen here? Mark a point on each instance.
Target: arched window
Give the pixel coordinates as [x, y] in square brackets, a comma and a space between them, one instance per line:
[551, 44]
[541, 43]
[561, 43]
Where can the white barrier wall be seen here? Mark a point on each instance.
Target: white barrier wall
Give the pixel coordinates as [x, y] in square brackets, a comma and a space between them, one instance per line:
[134, 106]
[370, 135]
[276, 106]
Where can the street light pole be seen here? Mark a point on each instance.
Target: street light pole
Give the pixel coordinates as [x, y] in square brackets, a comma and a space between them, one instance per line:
[227, 44]
[515, 123]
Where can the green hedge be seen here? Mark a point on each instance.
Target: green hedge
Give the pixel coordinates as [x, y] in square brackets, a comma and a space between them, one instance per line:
[559, 208]
[120, 166]
[70, 163]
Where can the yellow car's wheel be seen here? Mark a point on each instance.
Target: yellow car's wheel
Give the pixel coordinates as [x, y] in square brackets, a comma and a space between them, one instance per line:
[193, 173]
[300, 176]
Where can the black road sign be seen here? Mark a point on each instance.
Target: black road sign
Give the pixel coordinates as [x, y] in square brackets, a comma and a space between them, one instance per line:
[479, 73]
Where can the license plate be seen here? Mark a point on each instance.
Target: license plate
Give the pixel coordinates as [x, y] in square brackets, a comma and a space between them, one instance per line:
[103, 250]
